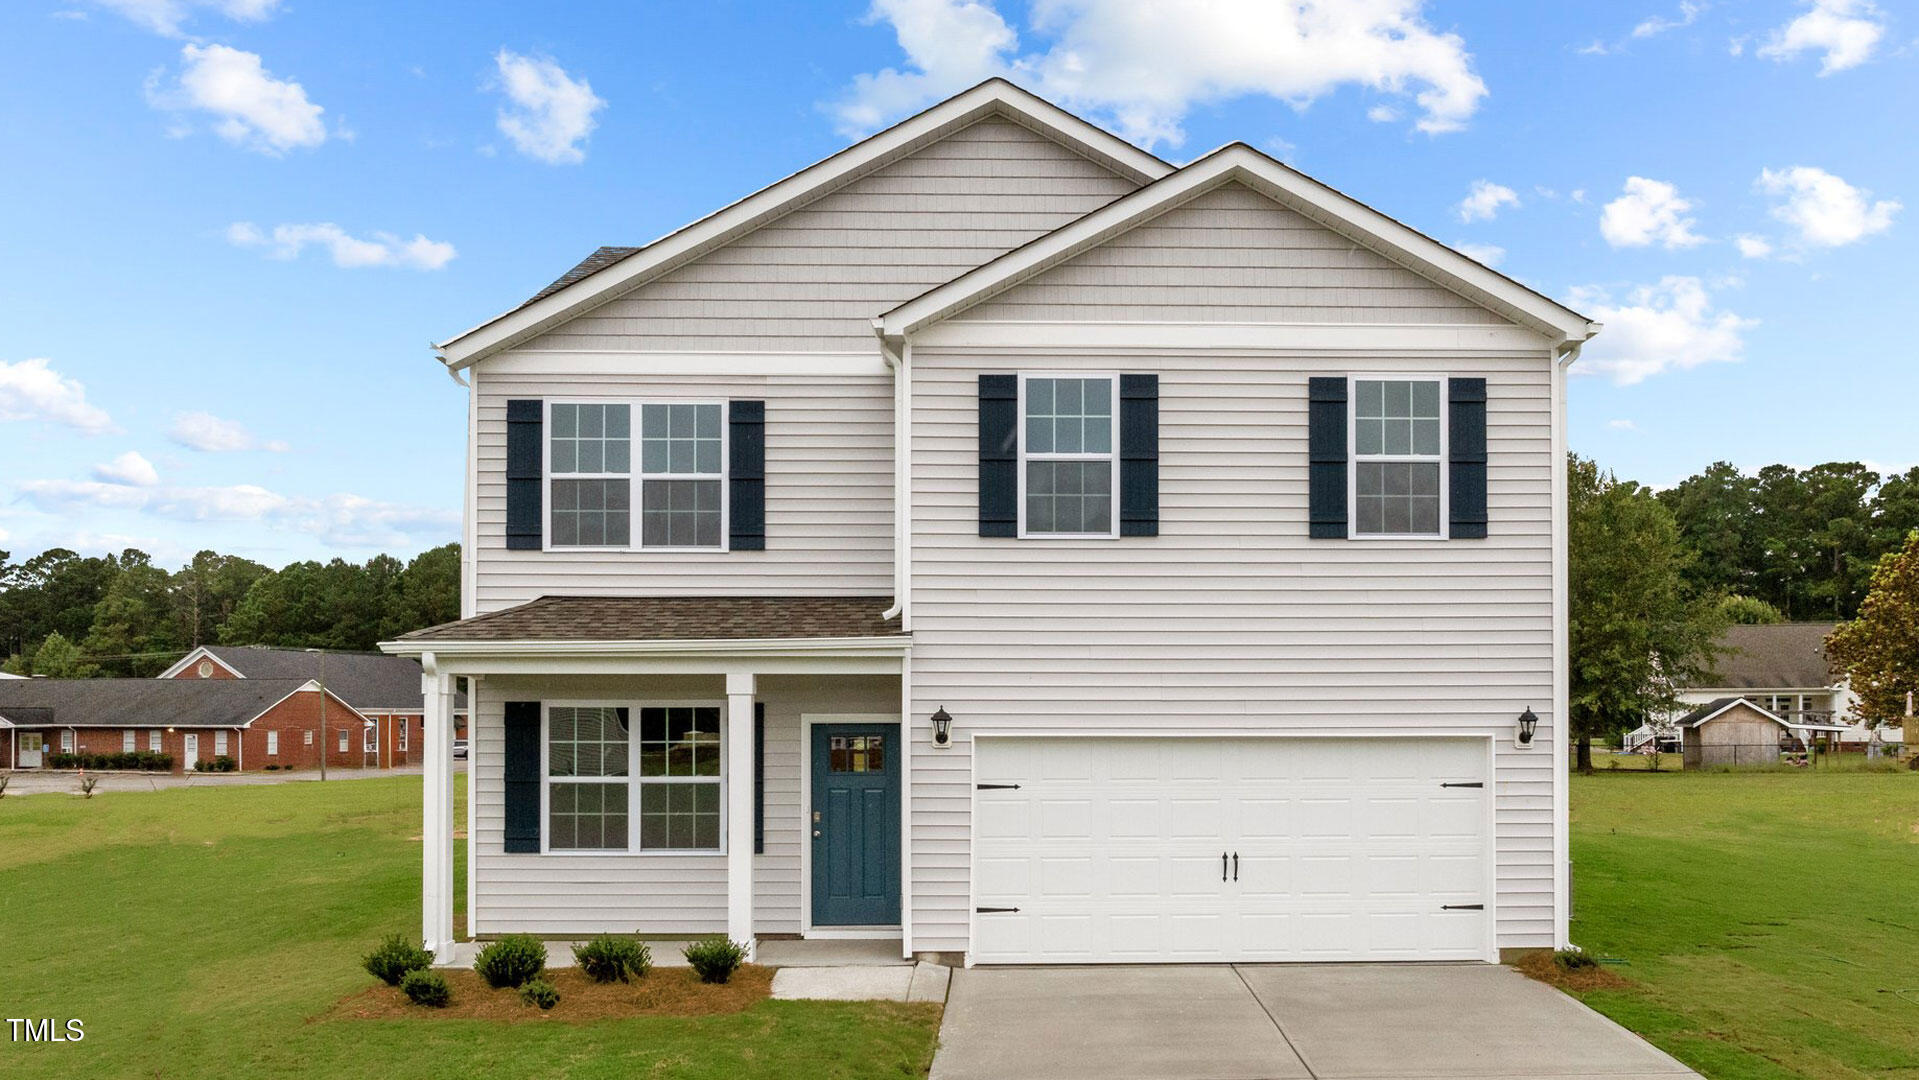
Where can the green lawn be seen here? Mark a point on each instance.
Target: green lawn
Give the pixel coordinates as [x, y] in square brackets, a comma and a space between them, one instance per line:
[1769, 921]
[198, 932]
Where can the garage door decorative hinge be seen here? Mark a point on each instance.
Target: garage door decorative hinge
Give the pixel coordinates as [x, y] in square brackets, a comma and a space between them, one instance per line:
[994, 910]
[1463, 783]
[996, 787]
[1462, 907]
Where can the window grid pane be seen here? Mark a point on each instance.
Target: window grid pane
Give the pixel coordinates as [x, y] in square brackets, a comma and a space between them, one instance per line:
[1069, 456]
[1396, 418]
[591, 513]
[1069, 496]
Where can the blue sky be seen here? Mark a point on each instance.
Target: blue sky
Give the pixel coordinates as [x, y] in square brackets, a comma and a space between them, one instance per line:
[232, 226]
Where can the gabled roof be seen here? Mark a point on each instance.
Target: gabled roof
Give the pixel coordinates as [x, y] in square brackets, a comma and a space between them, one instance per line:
[372, 682]
[1778, 656]
[606, 274]
[143, 703]
[1716, 706]
[671, 618]
[1239, 163]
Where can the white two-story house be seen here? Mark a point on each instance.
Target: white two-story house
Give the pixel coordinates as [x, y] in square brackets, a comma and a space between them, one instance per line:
[995, 538]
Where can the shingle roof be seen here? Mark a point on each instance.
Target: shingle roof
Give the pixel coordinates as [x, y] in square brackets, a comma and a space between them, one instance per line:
[585, 268]
[140, 702]
[673, 618]
[372, 682]
[1781, 656]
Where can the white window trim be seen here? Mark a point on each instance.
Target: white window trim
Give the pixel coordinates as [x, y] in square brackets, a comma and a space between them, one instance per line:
[405, 722]
[309, 737]
[635, 479]
[1443, 459]
[632, 779]
[1112, 533]
[66, 740]
[129, 741]
[273, 744]
[154, 740]
[346, 743]
[219, 743]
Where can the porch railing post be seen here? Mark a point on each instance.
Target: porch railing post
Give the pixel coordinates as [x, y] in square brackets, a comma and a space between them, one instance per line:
[436, 832]
[739, 811]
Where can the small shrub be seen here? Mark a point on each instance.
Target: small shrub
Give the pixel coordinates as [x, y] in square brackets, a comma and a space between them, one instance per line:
[608, 959]
[395, 958]
[270, 767]
[1573, 959]
[426, 988]
[540, 992]
[716, 959]
[223, 763]
[511, 961]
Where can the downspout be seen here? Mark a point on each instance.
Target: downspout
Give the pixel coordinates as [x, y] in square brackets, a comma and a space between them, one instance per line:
[895, 359]
[1562, 644]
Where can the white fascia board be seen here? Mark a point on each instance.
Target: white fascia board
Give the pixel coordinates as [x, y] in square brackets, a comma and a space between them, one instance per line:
[1728, 706]
[1307, 338]
[200, 652]
[1240, 163]
[309, 685]
[995, 96]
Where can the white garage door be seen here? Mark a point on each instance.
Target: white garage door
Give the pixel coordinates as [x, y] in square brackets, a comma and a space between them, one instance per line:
[1125, 850]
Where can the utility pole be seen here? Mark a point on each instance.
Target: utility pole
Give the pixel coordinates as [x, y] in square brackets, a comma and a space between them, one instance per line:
[323, 742]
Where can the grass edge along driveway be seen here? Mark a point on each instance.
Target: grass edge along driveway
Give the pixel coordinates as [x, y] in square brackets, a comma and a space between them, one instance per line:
[1770, 921]
[203, 932]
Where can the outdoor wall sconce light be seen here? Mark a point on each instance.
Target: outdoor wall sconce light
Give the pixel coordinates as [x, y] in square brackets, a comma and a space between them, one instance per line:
[942, 727]
[1528, 723]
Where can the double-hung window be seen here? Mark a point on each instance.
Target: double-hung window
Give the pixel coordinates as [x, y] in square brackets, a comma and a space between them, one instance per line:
[153, 740]
[1398, 442]
[599, 766]
[126, 741]
[676, 479]
[1068, 469]
[587, 765]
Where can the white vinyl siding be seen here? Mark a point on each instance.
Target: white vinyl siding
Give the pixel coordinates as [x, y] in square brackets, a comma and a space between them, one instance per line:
[1231, 255]
[662, 892]
[1232, 620]
[813, 279]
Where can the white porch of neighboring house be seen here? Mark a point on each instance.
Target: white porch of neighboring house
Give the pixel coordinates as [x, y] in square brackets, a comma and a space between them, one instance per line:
[805, 693]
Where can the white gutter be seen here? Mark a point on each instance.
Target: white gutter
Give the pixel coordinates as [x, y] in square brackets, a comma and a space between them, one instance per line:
[429, 651]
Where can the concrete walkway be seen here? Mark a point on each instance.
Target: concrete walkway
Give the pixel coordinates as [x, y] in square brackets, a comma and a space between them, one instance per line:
[1277, 1022]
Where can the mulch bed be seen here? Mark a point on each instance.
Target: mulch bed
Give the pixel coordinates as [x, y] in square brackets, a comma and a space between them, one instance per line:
[1542, 966]
[661, 992]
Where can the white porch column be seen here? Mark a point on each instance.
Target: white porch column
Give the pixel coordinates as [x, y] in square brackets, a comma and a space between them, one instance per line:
[739, 811]
[436, 834]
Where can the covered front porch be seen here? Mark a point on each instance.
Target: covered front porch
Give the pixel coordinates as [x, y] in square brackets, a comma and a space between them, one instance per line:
[672, 767]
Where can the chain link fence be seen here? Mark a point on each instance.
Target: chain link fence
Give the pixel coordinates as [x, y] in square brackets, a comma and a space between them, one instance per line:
[1782, 756]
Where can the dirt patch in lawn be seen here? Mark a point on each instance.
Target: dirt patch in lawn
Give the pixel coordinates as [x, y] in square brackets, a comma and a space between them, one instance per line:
[1542, 966]
[661, 992]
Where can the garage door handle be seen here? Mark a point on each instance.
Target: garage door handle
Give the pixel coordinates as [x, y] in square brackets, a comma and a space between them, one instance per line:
[1235, 866]
[1222, 866]
[1464, 783]
[994, 910]
[996, 787]
[1462, 907]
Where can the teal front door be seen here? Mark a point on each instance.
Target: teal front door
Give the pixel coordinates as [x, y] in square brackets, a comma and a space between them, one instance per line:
[856, 825]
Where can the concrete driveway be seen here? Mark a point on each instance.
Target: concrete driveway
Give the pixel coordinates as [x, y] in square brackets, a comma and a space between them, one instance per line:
[1277, 1022]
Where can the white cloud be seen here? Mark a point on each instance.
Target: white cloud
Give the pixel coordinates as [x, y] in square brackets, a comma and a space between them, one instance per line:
[1824, 210]
[1483, 200]
[1489, 254]
[1689, 12]
[340, 519]
[1382, 114]
[380, 249]
[1845, 31]
[1596, 48]
[129, 468]
[32, 390]
[205, 431]
[166, 16]
[549, 114]
[1650, 212]
[1142, 67]
[4, 536]
[1752, 247]
[1657, 328]
[1622, 425]
[251, 108]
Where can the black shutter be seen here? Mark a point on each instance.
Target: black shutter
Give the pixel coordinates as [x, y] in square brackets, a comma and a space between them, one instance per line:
[1326, 456]
[1466, 465]
[522, 775]
[524, 419]
[1139, 455]
[759, 778]
[999, 455]
[746, 477]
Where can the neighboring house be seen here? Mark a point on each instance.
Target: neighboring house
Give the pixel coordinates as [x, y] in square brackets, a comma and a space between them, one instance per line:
[256, 722]
[1737, 731]
[1782, 668]
[385, 690]
[996, 539]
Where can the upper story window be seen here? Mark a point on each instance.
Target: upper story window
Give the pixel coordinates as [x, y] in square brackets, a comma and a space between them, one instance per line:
[1398, 453]
[1068, 468]
[594, 483]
